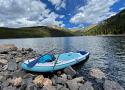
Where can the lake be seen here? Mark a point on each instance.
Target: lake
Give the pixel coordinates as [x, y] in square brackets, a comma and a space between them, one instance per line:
[107, 52]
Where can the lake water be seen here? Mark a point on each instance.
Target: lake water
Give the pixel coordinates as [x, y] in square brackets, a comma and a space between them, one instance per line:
[107, 53]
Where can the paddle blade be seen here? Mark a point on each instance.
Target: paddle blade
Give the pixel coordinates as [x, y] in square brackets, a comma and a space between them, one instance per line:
[32, 63]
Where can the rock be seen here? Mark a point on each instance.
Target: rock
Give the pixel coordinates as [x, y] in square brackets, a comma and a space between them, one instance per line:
[70, 71]
[17, 81]
[47, 82]
[5, 67]
[31, 87]
[49, 88]
[97, 73]
[2, 56]
[72, 86]
[3, 61]
[87, 86]
[77, 80]
[58, 86]
[27, 81]
[29, 49]
[5, 84]
[23, 87]
[69, 77]
[111, 85]
[61, 80]
[64, 76]
[9, 88]
[9, 47]
[12, 66]
[18, 59]
[1, 77]
[3, 51]
[39, 80]
[1, 88]
[64, 88]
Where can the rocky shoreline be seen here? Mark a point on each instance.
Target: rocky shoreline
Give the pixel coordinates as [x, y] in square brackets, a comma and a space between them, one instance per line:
[12, 77]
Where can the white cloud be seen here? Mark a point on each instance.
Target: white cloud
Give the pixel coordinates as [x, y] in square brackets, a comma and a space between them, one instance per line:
[122, 8]
[58, 3]
[94, 11]
[22, 13]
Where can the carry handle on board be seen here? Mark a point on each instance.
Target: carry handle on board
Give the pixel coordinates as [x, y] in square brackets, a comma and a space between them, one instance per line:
[33, 63]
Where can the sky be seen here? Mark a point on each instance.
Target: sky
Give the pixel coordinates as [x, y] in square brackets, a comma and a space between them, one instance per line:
[62, 13]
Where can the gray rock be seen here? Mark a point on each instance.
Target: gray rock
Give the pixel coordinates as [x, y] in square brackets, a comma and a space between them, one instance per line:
[61, 80]
[27, 81]
[23, 87]
[31, 87]
[70, 71]
[3, 61]
[87, 86]
[64, 76]
[12, 66]
[3, 51]
[9, 88]
[72, 85]
[1, 77]
[58, 87]
[78, 80]
[5, 84]
[64, 88]
[69, 77]
[53, 81]
[49, 88]
[111, 85]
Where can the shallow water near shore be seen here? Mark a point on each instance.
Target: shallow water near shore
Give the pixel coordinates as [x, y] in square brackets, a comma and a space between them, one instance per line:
[107, 52]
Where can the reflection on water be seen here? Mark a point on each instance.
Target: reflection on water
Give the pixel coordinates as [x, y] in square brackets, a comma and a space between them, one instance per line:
[107, 53]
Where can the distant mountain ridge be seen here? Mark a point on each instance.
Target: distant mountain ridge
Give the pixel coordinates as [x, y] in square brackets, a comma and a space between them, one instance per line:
[113, 25]
[32, 32]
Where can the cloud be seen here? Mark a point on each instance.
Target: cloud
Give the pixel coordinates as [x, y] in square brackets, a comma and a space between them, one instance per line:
[58, 3]
[93, 12]
[22, 13]
[122, 8]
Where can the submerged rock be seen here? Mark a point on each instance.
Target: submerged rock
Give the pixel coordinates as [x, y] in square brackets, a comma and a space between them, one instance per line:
[87, 86]
[39, 80]
[111, 85]
[97, 73]
[70, 71]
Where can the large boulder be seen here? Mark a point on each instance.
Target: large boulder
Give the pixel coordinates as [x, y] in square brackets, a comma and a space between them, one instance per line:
[111, 85]
[87, 86]
[70, 71]
[97, 73]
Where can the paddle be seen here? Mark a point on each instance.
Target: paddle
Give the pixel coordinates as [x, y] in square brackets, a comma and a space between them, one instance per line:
[33, 63]
[56, 62]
